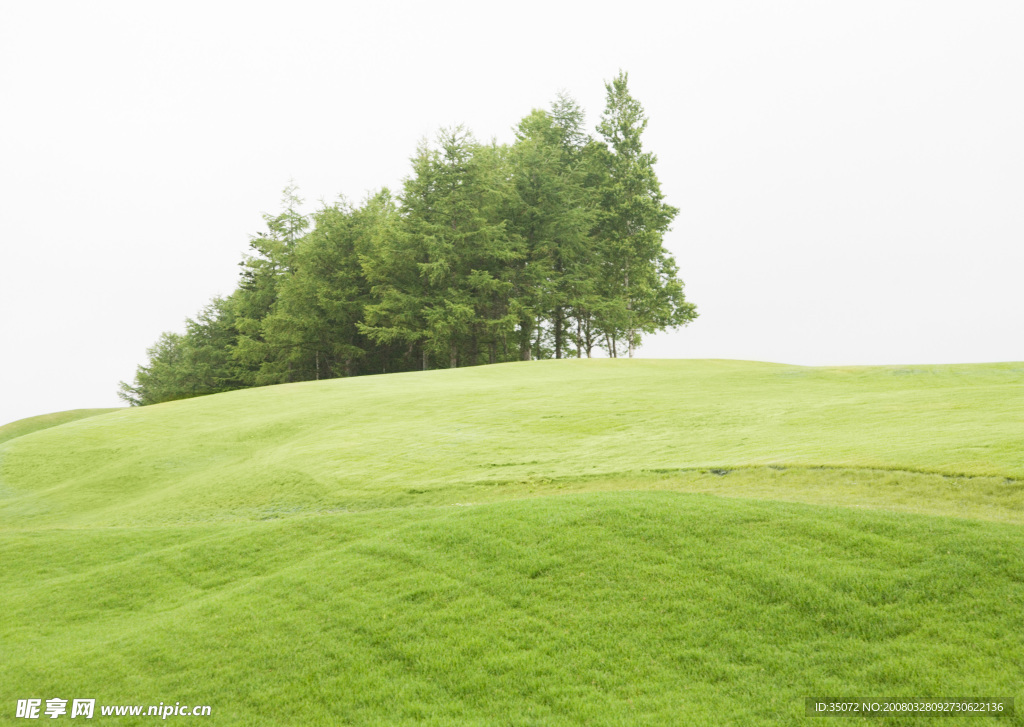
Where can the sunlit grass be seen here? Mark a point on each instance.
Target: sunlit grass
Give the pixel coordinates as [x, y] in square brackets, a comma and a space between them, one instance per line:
[613, 608]
[605, 543]
[383, 441]
[22, 427]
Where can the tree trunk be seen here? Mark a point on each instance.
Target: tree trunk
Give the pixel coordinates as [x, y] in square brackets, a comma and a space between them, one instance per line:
[588, 337]
[558, 331]
[524, 341]
[630, 332]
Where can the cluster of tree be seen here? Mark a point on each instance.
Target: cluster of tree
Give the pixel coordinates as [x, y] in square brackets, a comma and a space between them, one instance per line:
[548, 247]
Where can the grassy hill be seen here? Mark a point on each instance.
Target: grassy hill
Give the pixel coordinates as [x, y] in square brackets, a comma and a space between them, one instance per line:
[560, 542]
[22, 427]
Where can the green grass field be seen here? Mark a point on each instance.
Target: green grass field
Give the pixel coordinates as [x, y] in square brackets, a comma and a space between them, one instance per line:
[45, 421]
[601, 542]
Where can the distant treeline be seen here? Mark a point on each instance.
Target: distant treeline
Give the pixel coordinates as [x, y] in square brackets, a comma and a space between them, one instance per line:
[550, 247]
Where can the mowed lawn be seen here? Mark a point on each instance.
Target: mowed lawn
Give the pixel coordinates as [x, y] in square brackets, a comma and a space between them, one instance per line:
[44, 421]
[562, 542]
[391, 440]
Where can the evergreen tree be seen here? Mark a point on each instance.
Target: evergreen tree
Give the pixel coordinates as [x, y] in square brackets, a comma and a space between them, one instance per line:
[191, 364]
[551, 216]
[639, 289]
[311, 331]
[262, 273]
[444, 291]
[550, 247]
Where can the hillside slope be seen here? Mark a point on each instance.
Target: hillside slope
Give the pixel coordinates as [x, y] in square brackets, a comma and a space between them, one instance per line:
[547, 543]
[445, 436]
[28, 425]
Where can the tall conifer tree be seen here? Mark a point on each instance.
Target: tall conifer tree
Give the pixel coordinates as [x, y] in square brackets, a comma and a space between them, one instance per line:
[262, 273]
[449, 292]
[640, 289]
[551, 215]
[491, 253]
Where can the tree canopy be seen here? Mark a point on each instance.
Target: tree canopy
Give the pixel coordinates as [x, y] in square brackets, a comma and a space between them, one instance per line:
[549, 247]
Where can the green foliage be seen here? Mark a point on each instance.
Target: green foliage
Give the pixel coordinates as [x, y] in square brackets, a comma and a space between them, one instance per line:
[552, 213]
[550, 247]
[195, 363]
[263, 272]
[311, 331]
[449, 294]
[640, 290]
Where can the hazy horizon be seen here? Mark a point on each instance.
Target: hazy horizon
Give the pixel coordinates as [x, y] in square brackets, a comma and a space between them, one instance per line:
[849, 175]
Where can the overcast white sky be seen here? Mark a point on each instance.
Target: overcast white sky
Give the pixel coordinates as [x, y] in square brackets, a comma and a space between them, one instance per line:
[850, 174]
